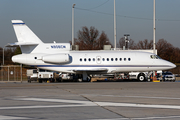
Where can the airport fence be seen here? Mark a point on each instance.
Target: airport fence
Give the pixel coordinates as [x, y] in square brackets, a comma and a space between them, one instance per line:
[13, 73]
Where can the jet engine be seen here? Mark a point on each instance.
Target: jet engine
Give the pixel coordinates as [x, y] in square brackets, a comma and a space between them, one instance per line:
[56, 58]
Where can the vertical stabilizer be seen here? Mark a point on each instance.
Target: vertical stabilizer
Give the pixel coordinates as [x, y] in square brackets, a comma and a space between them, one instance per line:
[24, 34]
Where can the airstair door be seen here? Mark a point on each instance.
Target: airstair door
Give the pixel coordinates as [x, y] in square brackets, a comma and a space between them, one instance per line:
[98, 59]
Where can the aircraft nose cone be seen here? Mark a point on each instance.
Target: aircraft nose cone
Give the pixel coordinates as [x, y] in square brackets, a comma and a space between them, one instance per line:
[173, 65]
[167, 65]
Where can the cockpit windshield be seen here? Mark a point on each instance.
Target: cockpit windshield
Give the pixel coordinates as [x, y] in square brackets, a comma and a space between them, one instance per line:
[154, 57]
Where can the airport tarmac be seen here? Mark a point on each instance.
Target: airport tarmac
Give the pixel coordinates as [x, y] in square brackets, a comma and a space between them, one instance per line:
[90, 101]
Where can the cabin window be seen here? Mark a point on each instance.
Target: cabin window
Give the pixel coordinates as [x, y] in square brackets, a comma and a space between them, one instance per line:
[107, 59]
[98, 59]
[124, 59]
[89, 59]
[120, 59]
[103, 59]
[81, 59]
[116, 59]
[85, 59]
[129, 59]
[35, 57]
[93, 59]
[112, 59]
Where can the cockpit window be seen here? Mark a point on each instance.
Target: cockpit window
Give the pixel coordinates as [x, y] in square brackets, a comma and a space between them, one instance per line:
[154, 57]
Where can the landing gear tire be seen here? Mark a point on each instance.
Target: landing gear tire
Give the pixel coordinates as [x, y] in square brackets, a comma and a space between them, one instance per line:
[29, 81]
[79, 78]
[141, 77]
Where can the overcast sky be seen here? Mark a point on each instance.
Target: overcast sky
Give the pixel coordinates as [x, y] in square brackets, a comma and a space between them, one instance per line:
[50, 20]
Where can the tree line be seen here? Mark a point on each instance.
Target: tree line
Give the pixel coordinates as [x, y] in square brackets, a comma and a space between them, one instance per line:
[8, 53]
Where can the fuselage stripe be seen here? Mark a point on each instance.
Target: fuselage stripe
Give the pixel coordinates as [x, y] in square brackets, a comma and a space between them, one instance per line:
[18, 23]
[102, 65]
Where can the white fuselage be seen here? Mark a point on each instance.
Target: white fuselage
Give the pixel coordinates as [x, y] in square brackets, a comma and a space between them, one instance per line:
[97, 61]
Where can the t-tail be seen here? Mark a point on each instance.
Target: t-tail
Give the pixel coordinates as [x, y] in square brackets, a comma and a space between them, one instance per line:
[30, 43]
[25, 36]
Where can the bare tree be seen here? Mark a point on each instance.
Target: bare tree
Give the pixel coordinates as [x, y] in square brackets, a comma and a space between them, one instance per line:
[1, 55]
[165, 49]
[103, 40]
[176, 55]
[121, 43]
[89, 39]
[145, 44]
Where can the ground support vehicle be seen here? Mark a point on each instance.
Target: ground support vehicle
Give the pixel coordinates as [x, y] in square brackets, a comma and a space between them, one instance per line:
[168, 76]
[63, 77]
[45, 75]
[69, 77]
[32, 75]
[40, 75]
[140, 76]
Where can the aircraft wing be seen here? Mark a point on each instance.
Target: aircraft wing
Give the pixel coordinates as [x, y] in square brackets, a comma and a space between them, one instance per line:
[91, 70]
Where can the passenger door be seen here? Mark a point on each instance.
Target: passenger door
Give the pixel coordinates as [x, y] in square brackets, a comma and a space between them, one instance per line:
[98, 59]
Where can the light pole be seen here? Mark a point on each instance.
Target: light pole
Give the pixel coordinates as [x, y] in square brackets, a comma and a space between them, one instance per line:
[154, 32]
[3, 55]
[114, 26]
[154, 28]
[73, 24]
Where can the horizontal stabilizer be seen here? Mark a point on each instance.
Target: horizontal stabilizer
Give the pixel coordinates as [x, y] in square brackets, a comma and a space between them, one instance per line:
[19, 44]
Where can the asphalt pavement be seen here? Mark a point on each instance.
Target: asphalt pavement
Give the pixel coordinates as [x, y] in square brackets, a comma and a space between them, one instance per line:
[90, 101]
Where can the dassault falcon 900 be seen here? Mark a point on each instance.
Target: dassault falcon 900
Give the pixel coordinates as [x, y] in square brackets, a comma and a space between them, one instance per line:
[59, 57]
